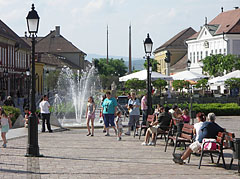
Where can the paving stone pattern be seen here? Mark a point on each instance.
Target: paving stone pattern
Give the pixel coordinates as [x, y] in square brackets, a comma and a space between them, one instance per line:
[71, 154]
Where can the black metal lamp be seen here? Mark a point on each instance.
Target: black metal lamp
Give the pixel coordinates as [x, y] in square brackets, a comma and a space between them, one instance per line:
[33, 149]
[28, 85]
[148, 44]
[188, 64]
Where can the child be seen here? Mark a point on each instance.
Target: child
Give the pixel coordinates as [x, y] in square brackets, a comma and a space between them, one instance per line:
[90, 115]
[119, 125]
[6, 123]
[27, 113]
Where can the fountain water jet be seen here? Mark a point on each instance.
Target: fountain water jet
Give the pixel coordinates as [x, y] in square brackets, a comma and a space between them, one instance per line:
[73, 90]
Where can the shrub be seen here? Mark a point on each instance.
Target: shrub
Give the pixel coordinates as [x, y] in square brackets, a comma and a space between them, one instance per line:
[15, 111]
[227, 109]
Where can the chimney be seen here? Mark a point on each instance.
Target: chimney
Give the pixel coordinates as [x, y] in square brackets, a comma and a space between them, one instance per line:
[222, 9]
[57, 31]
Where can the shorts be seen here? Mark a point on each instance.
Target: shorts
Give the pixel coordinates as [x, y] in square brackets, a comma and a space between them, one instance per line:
[155, 129]
[133, 119]
[5, 128]
[195, 146]
[91, 116]
[109, 119]
[120, 130]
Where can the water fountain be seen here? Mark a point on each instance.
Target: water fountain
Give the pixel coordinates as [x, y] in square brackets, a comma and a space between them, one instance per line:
[73, 90]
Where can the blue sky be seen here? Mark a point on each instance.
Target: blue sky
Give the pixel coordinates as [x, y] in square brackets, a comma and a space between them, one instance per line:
[83, 22]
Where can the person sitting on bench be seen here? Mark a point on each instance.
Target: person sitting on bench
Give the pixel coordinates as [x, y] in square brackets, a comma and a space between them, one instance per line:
[208, 130]
[161, 124]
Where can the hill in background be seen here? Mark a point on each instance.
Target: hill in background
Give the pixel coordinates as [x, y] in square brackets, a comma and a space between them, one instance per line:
[137, 63]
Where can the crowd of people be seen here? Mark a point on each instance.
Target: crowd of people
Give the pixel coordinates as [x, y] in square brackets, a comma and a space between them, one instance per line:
[162, 119]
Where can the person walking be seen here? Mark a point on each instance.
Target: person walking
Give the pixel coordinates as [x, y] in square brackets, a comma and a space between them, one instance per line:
[119, 125]
[45, 113]
[90, 115]
[109, 106]
[134, 113]
[6, 123]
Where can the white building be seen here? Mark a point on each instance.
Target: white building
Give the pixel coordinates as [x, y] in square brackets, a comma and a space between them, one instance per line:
[220, 36]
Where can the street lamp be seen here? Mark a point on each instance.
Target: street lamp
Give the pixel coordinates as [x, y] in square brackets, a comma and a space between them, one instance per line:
[191, 101]
[28, 85]
[33, 149]
[148, 50]
[188, 65]
[47, 74]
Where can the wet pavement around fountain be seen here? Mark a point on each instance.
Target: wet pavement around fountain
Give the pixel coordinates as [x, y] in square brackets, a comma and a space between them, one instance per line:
[71, 154]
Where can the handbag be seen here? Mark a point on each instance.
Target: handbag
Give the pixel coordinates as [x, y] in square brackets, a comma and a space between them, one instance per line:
[209, 144]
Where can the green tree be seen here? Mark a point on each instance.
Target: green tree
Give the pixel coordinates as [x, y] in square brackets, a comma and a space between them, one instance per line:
[135, 84]
[52, 79]
[159, 84]
[203, 84]
[180, 84]
[110, 72]
[233, 83]
[153, 62]
[115, 67]
[216, 65]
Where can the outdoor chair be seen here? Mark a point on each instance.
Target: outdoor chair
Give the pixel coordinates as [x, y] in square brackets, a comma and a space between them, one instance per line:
[219, 149]
[142, 126]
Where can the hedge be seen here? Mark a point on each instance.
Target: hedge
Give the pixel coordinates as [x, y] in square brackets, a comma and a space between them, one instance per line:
[12, 110]
[227, 109]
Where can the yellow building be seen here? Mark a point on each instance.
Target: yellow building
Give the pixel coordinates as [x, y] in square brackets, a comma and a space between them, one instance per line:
[178, 50]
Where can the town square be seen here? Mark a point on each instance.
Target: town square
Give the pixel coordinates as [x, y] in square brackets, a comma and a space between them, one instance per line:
[119, 89]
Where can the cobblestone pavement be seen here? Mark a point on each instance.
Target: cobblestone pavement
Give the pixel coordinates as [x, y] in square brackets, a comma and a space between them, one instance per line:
[71, 154]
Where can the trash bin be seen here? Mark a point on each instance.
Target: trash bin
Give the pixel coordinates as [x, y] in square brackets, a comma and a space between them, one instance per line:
[236, 152]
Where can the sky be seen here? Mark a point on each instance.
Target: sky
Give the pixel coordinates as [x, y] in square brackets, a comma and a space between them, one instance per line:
[84, 22]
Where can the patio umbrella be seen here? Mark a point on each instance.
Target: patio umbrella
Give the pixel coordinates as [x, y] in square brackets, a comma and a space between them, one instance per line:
[142, 75]
[188, 75]
[234, 74]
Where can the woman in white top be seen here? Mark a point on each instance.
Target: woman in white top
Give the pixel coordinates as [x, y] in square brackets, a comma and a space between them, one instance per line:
[201, 119]
[90, 115]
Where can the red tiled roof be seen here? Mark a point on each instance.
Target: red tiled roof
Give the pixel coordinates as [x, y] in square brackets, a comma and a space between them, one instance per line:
[229, 22]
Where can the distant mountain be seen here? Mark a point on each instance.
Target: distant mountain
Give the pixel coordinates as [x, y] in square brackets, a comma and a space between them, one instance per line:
[137, 63]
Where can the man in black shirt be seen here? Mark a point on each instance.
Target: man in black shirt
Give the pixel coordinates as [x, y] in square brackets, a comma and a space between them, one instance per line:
[161, 124]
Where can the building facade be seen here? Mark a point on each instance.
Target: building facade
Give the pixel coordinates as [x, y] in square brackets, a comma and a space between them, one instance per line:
[220, 36]
[178, 50]
[14, 61]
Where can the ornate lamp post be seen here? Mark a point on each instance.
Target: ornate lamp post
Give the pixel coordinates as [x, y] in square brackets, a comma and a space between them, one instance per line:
[33, 149]
[148, 50]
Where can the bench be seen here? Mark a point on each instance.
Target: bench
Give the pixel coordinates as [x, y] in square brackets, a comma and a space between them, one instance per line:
[142, 126]
[224, 141]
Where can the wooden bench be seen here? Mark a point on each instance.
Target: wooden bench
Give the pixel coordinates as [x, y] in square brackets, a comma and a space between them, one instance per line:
[224, 141]
[142, 126]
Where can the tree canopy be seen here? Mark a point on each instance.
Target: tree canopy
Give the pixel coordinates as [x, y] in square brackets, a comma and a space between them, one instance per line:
[180, 84]
[233, 83]
[135, 84]
[110, 71]
[217, 65]
[115, 67]
[153, 62]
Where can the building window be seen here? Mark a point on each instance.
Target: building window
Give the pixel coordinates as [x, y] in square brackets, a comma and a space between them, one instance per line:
[206, 53]
[193, 57]
[215, 51]
[211, 52]
[197, 56]
[201, 55]
[190, 56]
[224, 51]
[220, 51]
